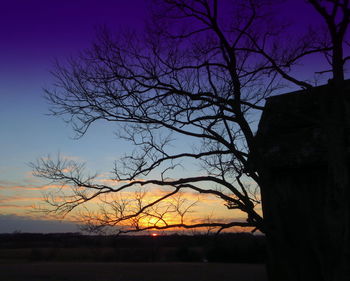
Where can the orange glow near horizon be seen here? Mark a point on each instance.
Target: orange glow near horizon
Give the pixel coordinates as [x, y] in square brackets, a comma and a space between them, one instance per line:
[26, 201]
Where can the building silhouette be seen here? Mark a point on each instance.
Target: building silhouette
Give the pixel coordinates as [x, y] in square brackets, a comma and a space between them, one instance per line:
[293, 143]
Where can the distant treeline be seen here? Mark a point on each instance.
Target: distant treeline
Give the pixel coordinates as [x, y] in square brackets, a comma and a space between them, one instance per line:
[233, 247]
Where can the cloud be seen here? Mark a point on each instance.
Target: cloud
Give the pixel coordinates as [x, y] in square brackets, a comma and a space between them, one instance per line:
[8, 206]
[18, 199]
[21, 197]
[43, 187]
[60, 156]
[6, 184]
[11, 206]
[10, 223]
[114, 182]
[31, 187]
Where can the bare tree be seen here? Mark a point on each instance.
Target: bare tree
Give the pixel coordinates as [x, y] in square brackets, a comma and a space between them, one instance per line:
[202, 70]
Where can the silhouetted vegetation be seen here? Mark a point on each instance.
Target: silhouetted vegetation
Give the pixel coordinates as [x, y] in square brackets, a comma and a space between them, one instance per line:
[237, 248]
[202, 73]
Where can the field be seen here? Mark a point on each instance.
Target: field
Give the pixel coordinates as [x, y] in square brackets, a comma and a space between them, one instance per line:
[55, 271]
[75, 257]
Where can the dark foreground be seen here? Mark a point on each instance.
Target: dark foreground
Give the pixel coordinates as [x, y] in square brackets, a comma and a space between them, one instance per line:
[55, 271]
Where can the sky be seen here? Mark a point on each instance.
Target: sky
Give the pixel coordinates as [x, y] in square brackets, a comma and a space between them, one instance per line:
[33, 34]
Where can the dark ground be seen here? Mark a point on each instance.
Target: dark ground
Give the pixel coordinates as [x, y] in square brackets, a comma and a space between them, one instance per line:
[242, 248]
[55, 271]
[75, 257]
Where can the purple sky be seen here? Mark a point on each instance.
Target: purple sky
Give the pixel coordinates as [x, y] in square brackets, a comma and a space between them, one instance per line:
[34, 33]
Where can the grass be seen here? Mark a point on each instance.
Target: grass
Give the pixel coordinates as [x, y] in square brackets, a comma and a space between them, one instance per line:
[55, 271]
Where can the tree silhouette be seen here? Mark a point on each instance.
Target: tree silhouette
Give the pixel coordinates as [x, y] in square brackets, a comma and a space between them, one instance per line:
[200, 72]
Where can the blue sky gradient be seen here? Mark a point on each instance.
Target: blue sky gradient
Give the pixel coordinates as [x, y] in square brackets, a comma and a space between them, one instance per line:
[35, 33]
